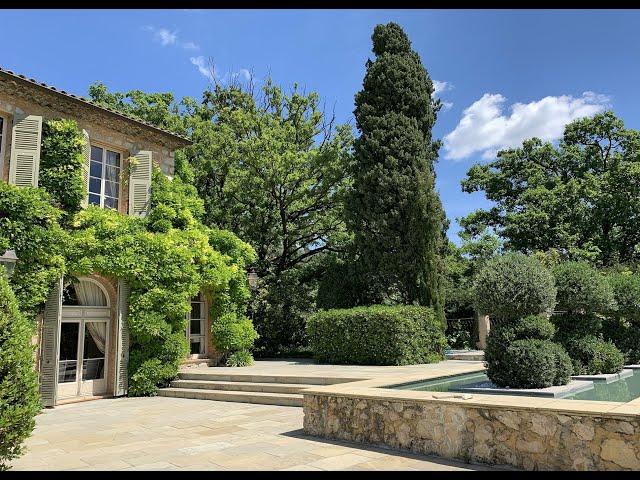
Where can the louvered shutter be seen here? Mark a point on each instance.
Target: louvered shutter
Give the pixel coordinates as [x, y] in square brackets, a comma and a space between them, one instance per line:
[49, 346]
[140, 184]
[25, 150]
[122, 352]
[86, 154]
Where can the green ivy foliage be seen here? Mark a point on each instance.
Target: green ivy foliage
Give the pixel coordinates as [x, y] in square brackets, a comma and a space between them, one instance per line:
[61, 162]
[19, 401]
[29, 225]
[167, 258]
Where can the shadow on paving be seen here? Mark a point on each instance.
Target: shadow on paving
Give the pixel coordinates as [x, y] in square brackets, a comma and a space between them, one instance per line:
[299, 433]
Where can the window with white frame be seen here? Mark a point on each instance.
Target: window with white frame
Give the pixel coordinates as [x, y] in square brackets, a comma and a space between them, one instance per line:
[104, 177]
[196, 326]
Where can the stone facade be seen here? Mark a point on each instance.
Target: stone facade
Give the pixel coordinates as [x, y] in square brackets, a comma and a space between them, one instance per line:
[104, 127]
[532, 439]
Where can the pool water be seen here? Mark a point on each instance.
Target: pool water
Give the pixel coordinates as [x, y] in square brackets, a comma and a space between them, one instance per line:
[623, 390]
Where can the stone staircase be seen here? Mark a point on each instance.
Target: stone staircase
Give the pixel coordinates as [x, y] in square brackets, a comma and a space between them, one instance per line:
[244, 387]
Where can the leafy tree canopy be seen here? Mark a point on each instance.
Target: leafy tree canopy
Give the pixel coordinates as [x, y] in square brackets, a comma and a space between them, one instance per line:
[581, 197]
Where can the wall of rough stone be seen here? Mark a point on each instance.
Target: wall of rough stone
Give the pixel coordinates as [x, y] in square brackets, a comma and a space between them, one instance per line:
[528, 439]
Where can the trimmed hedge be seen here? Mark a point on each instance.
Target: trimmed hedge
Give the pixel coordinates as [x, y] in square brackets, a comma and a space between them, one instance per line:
[593, 356]
[513, 286]
[377, 335]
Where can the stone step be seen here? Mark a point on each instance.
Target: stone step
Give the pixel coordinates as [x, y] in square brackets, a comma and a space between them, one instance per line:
[267, 387]
[284, 399]
[203, 374]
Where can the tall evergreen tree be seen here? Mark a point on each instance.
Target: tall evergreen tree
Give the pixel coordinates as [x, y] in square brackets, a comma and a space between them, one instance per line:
[393, 209]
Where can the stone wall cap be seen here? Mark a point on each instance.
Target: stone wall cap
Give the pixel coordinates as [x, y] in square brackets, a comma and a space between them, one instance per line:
[184, 141]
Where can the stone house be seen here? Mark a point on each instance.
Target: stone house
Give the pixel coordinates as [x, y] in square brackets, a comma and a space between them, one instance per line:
[82, 336]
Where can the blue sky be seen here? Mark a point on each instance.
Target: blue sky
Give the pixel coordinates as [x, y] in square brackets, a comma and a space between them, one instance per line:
[504, 75]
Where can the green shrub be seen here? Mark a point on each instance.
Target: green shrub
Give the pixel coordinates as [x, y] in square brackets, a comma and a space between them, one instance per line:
[592, 356]
[19, 399]
[520, 354]
[626, 292]
[575, 325]
[625, 336]
[377, 335]
[241, 358]
[581, 288]
[531, 363]
[512, 286]
[232, 334]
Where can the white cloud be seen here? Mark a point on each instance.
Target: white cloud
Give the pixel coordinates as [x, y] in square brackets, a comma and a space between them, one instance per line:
[485, 128]
[441, 86]
[446, 106]
[203, 67]
[190, 46]
[165, 37]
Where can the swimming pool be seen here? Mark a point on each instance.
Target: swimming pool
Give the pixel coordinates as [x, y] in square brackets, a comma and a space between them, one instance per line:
[623, 390]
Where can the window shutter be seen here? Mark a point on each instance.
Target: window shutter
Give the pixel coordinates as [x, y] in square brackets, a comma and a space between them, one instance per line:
[49, 346]
[86, 153]
[25, 150]
[122, 351]
[140, 184]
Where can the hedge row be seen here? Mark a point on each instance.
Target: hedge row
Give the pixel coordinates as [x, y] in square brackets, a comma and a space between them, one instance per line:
[377, 335]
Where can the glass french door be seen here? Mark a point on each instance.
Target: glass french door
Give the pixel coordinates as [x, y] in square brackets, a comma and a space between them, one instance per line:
[196, 327]
[83, 353]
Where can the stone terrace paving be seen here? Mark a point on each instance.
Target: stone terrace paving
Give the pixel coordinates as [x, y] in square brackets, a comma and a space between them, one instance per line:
[178, 434]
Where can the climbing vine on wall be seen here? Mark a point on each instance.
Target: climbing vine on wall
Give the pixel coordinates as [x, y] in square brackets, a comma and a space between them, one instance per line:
[166, 257]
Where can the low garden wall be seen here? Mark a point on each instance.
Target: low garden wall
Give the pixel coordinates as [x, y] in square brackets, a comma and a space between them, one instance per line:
[495, 433]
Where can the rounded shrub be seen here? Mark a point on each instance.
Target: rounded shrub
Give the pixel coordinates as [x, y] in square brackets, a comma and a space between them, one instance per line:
[521, 354]
[513, 286]
[19, 400]
[377, 335]
[582, 289]
[232, 334]
[529, 363]
[626, 292]
[606, 359]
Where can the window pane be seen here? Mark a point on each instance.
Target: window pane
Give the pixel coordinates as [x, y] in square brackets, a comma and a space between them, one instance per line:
[195, 327]
[111, 173]
[94, 199]
[96, 154]
[96, 169]
[68, 352]
[95, 337]
[113, 158]
[195, 346]
[111, 189]
[196, 310]
[110, 202]
[94, 185]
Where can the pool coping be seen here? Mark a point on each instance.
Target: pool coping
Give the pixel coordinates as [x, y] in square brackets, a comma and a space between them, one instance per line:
[380, 388]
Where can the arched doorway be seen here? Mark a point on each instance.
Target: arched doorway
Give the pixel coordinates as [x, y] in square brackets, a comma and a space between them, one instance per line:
[84, 339]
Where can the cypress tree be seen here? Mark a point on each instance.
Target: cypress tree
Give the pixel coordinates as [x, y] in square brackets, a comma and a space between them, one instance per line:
[393, 209]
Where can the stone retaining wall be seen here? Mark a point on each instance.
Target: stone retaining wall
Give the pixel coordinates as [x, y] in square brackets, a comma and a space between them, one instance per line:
[533, 439]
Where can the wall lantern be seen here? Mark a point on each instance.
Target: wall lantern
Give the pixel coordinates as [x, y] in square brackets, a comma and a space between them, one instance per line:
[8, 260]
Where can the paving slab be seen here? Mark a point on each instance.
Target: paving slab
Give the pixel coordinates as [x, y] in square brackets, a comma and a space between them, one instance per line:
[142, 434]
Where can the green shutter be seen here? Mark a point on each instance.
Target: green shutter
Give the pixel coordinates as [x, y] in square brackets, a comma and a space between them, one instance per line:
[86, 154]
[122, 349]
[25, 150]
[49, 346]
[140, 184]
